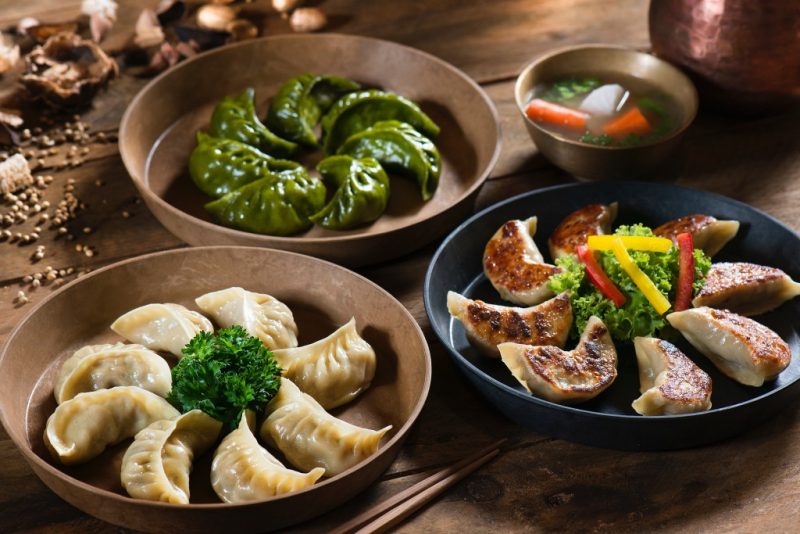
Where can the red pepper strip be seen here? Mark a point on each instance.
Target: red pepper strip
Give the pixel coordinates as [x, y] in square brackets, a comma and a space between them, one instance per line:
[596, 275]
[685, 289]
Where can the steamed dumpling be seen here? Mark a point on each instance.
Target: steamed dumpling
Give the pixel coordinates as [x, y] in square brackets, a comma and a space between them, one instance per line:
[743, 349]
[261, 315]
[708, 233]
[334, 370]
[81, 428]
[167, 327]
[157, 465]
[670, 382]
[746, 288]
[514, 265]
[105, 366]
[566, 377]
[488, 325]
[244, 471]
[310, 437]
[574, 230]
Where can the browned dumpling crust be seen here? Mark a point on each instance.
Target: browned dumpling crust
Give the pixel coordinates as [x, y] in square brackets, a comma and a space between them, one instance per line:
[593, 219]
[488, 325]
[746, 288]
[708, 233]
[566, 377]
[742, 348]
[669, 381]
[514, 265]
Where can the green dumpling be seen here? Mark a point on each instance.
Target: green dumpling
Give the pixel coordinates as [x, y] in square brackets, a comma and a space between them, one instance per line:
[358, 111]
[399, 148]
[300, 103]
[278, 204]
[218, 166]
[361, 195]
[234, 117]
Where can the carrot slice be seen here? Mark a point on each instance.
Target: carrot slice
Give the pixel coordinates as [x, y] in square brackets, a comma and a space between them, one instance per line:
[544, 111]
[631, 122]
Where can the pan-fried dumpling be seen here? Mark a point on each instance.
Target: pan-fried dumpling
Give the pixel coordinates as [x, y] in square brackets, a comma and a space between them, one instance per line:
[263, 316]
[167, 327]
[514, 265]
[708, 233]
[157, 465]
[743, 349]
[334, 370]
[488, 325]
[244, 471]
[746, 288]
[104, 366]
[670, 382]
[310, 437]
[566, 377]
[592, 219]
[82, 427]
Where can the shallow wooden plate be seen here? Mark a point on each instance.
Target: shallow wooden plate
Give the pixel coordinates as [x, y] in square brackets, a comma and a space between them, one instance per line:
[158, 134]
[609, 420]
[322, 297]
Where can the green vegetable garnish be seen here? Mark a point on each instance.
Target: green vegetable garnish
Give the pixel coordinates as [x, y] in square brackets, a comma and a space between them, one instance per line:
[566, 89]
[225, 374]
[637, 317]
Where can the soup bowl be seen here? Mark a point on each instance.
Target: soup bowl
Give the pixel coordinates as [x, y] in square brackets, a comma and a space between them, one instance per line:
[597, 162]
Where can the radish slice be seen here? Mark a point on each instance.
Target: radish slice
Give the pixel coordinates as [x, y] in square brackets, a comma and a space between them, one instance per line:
[604, 100]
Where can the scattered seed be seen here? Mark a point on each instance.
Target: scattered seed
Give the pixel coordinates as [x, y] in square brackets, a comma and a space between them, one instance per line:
[22, 298]
[62, 230]
[37, 276]
[26, 134]
[36, 283]
[87, 229]
[78, 248]
[28, 279]
[126, 214]
[52, 276]
[88, 251]
[99, 183]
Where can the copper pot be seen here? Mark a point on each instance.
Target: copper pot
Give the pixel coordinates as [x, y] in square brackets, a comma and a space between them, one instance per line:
[743, 55]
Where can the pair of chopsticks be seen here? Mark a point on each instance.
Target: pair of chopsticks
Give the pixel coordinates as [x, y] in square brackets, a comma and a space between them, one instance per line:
[390, 512]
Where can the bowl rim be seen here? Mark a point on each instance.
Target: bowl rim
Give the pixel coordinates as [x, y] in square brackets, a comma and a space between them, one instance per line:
[547, 56]
[270, 240]
[505, 389]
[20, 441]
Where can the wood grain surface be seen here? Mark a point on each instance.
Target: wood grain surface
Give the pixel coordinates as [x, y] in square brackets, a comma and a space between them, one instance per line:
[748, 484]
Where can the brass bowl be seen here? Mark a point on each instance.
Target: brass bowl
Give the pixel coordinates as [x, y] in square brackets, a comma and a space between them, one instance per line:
[595, 162]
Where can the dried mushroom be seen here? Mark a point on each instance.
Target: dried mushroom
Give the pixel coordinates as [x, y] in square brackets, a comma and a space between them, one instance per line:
[9, 53]
[67, 71]
[14, 174]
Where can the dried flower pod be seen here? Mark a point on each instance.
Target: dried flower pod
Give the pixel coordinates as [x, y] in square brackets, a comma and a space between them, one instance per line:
[14, 174]
[67, 71]
[241, 30]
[42, 32]
[25, 23]
[99, 26]
[148, 30]
[284, 7]
[307, 19]
[215, 16]
[105, 8]
[9, 53]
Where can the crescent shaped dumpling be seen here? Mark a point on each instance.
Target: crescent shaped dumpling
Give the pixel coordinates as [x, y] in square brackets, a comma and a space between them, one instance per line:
[566, 377]
[168, 327]
[333, 370]
[670, 382]
[488, 325]
[82, 427]
[157, 465]
[104, 366]
[741, 348]
[244, 471]
[310, 437]
[514, 265]
[262, 316]
[745, 288]
[708, 233]
[573, 231]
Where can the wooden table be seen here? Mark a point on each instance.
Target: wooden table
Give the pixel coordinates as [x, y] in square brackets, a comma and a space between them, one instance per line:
[751, 483]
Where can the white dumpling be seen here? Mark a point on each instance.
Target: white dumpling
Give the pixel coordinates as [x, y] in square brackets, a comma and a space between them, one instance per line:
[167, 327]
[157, 465]
[104, 366]
[262, 316]
[310, 437]
[708, 233]
[244, 471]
[746, 288]
[333, 370]
[575, 229]
[82, 427]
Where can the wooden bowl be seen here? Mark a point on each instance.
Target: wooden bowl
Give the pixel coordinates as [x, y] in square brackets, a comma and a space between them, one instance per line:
[157, 135]
[322, 297]
[597, 162]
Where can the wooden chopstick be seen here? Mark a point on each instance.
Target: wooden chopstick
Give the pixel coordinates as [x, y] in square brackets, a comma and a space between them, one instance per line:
[417, 495]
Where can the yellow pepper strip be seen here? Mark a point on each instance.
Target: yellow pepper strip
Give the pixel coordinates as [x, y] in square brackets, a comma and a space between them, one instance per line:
[631, 242]
[642, 281]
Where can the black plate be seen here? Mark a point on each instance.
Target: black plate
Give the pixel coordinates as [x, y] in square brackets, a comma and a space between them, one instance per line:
[609, 420]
